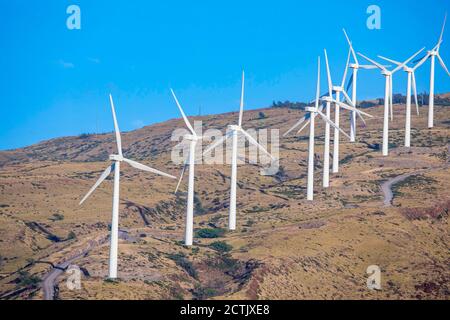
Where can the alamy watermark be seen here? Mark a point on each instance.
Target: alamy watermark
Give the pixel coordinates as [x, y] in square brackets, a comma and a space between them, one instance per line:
[374, 19]
[73, 22]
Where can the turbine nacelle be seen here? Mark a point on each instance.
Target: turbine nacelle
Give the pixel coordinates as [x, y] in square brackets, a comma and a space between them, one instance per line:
[116, 157]
[234, 127]
[327, 99]
[191, 137]
[408, 69]
[311, 109]
[386, 73]
[338, 89]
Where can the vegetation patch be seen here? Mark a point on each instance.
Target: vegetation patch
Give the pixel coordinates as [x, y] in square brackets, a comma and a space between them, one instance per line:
[181, 261]
[210, 233]
[221, 246]
[438, 212]
[25, 279]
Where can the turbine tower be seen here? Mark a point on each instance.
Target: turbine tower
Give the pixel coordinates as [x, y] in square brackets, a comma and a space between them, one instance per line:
[193, 139]
[117, 159]
[355, 66]
[433, 54]
[388, 95]
[234, 131]
[338, 90]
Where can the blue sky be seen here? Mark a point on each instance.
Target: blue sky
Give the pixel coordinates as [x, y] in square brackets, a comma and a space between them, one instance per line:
[55, 81]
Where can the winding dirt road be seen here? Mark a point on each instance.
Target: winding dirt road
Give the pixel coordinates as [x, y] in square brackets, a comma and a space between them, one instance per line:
[49, 280]
[386, 187]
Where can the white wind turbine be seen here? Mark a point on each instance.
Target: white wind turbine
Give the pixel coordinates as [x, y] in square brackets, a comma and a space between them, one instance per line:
[233, 132]
[193, 138]
[433, 54]
[338, 90]
[117, 159]
[353, 83]
[411, 83]
[329, 100]
[309, 118]
[388, 95]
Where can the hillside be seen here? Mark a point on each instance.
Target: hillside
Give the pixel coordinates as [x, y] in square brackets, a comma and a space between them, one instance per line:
[284, 248]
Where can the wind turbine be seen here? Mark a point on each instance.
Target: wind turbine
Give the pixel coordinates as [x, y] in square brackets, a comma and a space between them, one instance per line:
[388, 95]
[352, 107]
[233, 132]
[353, 82]
[309, 118]
[193, 139]
[411, 83]
[338, 90]
[117, 159]
[433, 54]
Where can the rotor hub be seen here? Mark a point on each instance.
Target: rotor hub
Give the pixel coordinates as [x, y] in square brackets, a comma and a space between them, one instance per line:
[408, 69]
[353, 66]
[386, 73]
[234, 127]
[191, 137]
[115, 157]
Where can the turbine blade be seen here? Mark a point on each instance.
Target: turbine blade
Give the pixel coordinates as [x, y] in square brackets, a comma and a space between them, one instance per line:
[344, 77]
[103, 176]
[325, 118]
[254, 142]
[368, 67]
[318, 83]
[407, 61]
[116, 126]
[442, 32]
[181, 175]
[143, 167]
[380, 66]
[348, 99]
[330, 82]
[442, 63]
[390, 60]
[349, 83]
[305, 125]
[352, 108]
[241, 108]
[303, 119]
[351, 47]
[188, 124]
[218, 142]
[421, 61]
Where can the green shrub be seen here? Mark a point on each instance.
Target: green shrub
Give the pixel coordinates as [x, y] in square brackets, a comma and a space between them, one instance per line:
[221, 246]
[181, 261]
[71, 235]
[26, 280]
[56, 217]
[201, 293]
[210, 233]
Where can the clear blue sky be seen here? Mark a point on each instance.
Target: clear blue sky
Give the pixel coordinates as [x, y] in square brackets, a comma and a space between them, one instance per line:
[55, 82]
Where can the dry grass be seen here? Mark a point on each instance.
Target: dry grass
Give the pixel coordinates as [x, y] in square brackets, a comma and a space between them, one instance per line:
[284, 248]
